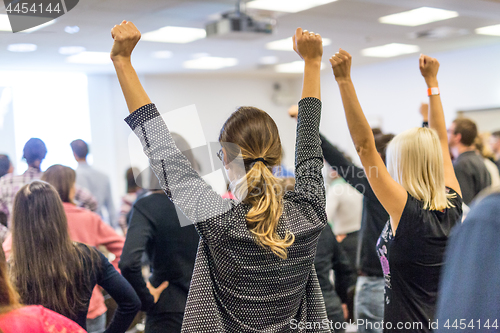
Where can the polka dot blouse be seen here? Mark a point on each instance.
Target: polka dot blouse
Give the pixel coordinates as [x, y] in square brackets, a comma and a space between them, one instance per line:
[238, 286]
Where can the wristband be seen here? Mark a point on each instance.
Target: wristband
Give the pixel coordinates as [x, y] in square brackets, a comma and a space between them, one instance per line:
[433, 91]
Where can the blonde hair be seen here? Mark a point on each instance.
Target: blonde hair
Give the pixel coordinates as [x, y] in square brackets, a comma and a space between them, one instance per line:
[252, 133]
[415, 160]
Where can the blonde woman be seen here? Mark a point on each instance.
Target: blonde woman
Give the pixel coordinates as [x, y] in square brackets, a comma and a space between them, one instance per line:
[254, 270]
[420, 192]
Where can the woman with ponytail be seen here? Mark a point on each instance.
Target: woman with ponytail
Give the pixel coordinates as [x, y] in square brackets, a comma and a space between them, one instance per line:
[254, 270]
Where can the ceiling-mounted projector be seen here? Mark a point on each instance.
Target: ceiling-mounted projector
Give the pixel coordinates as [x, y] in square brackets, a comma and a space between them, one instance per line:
[239, 25]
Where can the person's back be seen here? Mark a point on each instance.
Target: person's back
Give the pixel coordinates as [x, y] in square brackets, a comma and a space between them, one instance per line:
[469, 285]
[155, 230]
[36, 319]
[40, 229]
[95, 181]
[330, 256]
[254, 268]
[471, 172]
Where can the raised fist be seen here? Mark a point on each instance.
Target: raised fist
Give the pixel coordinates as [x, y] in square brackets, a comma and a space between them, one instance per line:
[428, 66]
[341, 65]
[308, 45]
[125, 36]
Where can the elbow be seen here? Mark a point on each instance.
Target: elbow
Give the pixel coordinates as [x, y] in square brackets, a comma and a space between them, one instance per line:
[364, 146]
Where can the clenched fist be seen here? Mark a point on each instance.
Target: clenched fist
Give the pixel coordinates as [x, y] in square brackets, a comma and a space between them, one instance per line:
[308, 45]
[341, 65]
[125, 36]
[429, 68]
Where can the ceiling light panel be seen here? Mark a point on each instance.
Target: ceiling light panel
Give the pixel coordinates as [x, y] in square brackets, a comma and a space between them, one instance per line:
[287, 6]
[91, 58]
[390, 50]
[491, 30]
[178, 35]
[419, 16]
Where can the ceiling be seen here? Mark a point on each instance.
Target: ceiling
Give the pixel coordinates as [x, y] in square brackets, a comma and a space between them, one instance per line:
[350, 24]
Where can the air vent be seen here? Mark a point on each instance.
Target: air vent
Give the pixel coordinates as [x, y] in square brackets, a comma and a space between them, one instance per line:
[438, 33]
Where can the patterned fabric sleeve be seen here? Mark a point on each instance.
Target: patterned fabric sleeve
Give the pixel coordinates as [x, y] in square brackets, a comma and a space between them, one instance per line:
[308, 152]
[187, 190]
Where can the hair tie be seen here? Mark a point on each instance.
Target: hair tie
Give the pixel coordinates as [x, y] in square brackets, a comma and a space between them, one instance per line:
[260, 159]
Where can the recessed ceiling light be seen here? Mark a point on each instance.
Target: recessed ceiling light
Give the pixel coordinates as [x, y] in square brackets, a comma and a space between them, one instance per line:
[22, 47]
[268, 60]
[162, 54]
[210, 63]
[419, 16]
[72, 29]
[38, 27]
[5, 23]
[70, 50]
[174, 35]
[200, 55]
[287, 44]
[491, 30]
[390, 50]
[92, 58]
[293, 67]
[288, 6]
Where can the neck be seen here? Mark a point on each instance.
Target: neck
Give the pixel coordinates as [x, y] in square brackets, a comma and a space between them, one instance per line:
[81, 160]
[35, 165]
[460, 149]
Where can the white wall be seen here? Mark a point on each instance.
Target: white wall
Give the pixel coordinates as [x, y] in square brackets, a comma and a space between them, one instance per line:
[392, 91]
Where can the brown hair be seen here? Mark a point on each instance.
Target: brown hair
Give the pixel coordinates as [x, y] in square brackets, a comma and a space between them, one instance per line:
[381, 143]
[47, 266]
[467, 129]
[253, 133]
[9, 299]
[62, 178]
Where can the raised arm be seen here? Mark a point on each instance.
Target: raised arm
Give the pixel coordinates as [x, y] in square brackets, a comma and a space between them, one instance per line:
[308, 154]
[126, 36]
[187, 190]
[429, 68]
[390, 194]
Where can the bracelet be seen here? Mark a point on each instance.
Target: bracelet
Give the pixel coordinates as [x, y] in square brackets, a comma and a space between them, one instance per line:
[433, 91]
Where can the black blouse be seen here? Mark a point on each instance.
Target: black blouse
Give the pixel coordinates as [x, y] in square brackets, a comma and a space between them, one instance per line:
[412, 262]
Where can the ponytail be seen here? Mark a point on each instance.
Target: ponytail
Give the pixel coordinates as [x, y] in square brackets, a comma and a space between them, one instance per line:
[266, 197]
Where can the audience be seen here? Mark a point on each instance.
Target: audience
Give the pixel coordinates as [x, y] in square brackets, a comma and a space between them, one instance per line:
[244, 245]
[495, 147]
[331, 257]
[369, 297]
[420, 192]
[5, 165]
[85, 227]
[472, 174]
[170, 242]
[469, 290]
[15, 318]
[93, 180]
[49, 269]
[34, 152]
[482, 151]
[343, 208]
[274, 253]
[133, 190]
